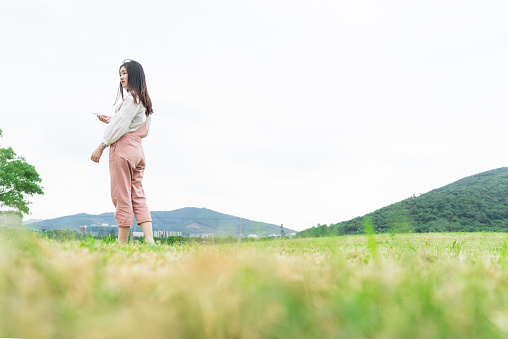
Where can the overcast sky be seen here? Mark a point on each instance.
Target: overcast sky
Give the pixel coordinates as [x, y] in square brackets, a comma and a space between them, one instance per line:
[293, 112]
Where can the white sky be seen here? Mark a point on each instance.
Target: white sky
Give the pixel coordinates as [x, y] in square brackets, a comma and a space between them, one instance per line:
[294, 112]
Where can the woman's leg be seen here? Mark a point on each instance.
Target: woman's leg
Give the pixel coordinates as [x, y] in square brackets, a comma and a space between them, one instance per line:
[146, 227]
[120, 173]
[123, 234]
[139, 206]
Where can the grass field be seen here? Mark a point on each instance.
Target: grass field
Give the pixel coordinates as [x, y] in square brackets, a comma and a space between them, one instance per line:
[378, 286]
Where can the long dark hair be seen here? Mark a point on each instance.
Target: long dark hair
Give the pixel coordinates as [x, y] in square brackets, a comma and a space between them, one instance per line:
[137, 84]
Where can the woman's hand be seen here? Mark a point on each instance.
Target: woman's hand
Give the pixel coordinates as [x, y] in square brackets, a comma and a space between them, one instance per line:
[104, 118]
[96, 155]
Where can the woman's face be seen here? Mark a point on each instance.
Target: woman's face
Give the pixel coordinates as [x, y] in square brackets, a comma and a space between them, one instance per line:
[124, 77]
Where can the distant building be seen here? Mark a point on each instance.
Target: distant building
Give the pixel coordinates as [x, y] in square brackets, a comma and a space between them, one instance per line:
[99, 229]
[138, 234]
[202, 235]
[82, 229]
[166, 234]
[252, 236]
[10, 219]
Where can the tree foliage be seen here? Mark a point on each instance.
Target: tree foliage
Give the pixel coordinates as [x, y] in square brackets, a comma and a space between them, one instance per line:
[475, 203]
[18, 180]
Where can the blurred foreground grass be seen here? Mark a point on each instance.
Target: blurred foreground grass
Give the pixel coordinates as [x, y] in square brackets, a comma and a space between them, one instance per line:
[377, 286]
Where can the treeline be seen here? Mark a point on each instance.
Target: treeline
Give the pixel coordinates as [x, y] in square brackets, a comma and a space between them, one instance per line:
[476, 203]
[68, 235]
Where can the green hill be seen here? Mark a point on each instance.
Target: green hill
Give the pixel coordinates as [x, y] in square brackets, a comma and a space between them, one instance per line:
[186, 220]
[475, 203]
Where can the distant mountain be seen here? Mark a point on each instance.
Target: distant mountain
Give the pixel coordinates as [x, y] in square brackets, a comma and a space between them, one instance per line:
[186, 220]
[475, 203]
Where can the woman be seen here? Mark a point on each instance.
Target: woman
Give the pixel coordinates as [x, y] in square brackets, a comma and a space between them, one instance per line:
[123, 134]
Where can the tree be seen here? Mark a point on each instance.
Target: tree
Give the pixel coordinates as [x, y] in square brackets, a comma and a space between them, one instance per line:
[18, 179]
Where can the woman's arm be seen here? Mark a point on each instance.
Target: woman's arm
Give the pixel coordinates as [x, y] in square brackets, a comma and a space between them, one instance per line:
[96, 155]
[119, 123]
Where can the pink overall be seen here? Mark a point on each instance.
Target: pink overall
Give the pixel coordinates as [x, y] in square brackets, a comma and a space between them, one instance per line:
[126, 168]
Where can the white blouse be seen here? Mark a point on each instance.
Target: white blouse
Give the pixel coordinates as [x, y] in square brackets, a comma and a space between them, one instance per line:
[128, 117]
